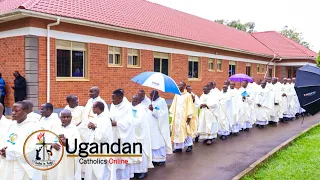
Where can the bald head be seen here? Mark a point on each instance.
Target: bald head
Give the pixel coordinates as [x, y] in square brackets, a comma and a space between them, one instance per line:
[212, 85]
[94, 92]
[136, 99]
[142, 94]
[65, 112]
[274, 80]
[30, 105]
[225, 88]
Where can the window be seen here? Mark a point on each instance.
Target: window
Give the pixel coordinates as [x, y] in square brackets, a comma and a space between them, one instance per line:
[193, 67]
[133, 58]
[248, 69]
[261, 68]
[270, 72]
[219, 64]
[289, 72]
[71, 59]
[232, 68]
[211, 65]
[114, 56]
[161, 63]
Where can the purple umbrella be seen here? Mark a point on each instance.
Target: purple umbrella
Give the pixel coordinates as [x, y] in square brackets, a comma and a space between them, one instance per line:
[240, 78]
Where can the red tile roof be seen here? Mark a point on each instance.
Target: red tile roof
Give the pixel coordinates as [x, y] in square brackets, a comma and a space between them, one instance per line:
[283, 46]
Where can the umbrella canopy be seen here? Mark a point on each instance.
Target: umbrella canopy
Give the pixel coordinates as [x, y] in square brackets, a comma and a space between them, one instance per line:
[307, 87]
[240, 78]
[158, 81]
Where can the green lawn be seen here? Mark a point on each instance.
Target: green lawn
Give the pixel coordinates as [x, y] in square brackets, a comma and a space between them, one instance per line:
[299, 161]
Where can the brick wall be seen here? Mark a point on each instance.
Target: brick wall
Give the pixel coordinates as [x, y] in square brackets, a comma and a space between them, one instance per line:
[11, 59]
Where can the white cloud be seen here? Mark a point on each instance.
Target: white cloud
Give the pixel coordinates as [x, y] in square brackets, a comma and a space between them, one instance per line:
[268, 14]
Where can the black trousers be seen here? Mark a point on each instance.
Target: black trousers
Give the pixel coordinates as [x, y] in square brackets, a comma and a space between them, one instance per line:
[16, 99]
[2, 102]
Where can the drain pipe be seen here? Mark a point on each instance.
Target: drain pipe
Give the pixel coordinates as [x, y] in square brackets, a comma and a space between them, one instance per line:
[48, 56]
[274, 56]
[274, 66]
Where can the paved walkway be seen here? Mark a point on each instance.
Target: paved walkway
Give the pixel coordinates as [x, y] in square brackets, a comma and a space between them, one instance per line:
[225, 159]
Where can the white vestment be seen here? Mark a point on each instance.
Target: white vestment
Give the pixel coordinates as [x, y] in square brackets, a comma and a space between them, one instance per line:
[15, 166]
[124, 100]
[296, 107]
[276, 109]
[247, 115]
[88, 108]
[102, 134]
[236, 105]
[51, 122]
[78, 114]
[214, 91]
[225, 114]
[34, 117]
[123, 132]
[146, 102]
[142, 134]
[68, 168]
[288, 101]
[196, 109]
[160, 130]
[208, 118]
[266, 100]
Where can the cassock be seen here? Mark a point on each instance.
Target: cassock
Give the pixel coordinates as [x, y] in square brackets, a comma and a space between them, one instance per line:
[276, 112]
[124, 132]
[34, 116]
[297, 107]
[265, 99]
[236, 105]
[288, 101]
[88, 108]
[14, 165]
[102, 134]
[225, 114]
[51, 122]
[142, 134]
[181, 109]
[125, 100]
[78, 114]
[68, 168]
[214, 91]
[146, 102]
[160, 130]
[195, 114]
[247, 115]
[208, 118]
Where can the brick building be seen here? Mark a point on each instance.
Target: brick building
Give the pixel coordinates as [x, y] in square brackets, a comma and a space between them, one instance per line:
[108, 42]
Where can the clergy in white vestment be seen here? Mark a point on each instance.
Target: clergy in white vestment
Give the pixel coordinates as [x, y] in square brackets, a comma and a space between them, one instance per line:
[287, 99]
[236, 105]
[145, 100]
[32, 115]
[68, 168]
[159, 129]
[208, 118]
[14, 164]
[265, 102]
[94, 97]
[123, 131]
[78, 112]
[183, 125]
[297, 108]
[247, 115]
[124, 99]
[195, 115]
[5, 125]
[276, 113]
[49, 119]
[213, 89]
[142, 134]
[225, 113]
[98, 130]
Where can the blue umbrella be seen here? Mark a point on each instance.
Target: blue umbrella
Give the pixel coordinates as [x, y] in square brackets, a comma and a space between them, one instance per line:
[158, 81]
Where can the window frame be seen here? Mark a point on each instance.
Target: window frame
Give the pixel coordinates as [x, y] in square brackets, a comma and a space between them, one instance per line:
[249, 65]
[217, 69]
[261, 68]
[195, 59]
[161, 56]
[232, 63]
[133, 54]
[74, 46]
[210, 60]
[113, 53]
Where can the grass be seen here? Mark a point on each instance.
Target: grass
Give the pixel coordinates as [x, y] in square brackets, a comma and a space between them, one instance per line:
[300, 160]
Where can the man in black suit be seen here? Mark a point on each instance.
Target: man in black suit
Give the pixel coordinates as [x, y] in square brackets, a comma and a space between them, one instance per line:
[20, 87]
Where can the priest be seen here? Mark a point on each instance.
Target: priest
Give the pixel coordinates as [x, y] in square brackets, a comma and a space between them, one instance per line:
[76, 110]
[276, 113]
[94, 97]
[32, 115]
[14, 164]
[196, 105]
[225, 113]
[208, 118]
[159, 129]
[145, 100]
[182, 124]
[142, 134]
[264, 104]
[213, 89]
[49, 120]
[236, 105]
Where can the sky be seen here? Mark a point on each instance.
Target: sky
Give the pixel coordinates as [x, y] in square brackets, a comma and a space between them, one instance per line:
[268, 15]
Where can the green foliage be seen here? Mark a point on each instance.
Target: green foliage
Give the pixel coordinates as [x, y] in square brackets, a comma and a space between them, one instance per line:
[301, 160]
[318, 60]
[294, 35]
[246, 27]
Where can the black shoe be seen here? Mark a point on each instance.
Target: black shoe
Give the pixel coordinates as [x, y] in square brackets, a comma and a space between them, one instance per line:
[161, 163]
[247, 129]
[235, 134]
[196, 139]
[142, 175]
[177, 151]
[189, 149]
[155, 163]
[223, 138]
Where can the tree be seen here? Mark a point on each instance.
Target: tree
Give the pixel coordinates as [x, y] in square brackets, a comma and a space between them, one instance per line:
[246, 27]
[318, 60]
[294, 35]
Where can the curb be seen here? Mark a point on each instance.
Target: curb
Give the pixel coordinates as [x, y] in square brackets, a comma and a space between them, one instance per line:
[283, 145]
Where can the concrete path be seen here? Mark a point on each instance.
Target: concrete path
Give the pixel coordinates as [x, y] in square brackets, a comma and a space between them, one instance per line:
[225, 159]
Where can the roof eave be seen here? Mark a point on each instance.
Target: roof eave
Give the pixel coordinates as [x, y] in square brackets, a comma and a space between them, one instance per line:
[302, 58]
[28, 13]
